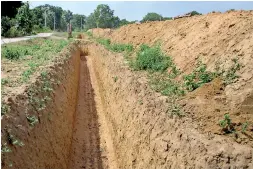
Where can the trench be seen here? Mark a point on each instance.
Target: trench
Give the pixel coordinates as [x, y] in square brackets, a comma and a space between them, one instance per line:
[85, 148]
[97, 122]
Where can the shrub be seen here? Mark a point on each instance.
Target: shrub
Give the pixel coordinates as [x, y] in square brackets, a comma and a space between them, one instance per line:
[12, 53]
[13, 32]
[152, 58]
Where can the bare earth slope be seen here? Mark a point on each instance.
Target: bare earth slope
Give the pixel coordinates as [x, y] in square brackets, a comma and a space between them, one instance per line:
[215, 39]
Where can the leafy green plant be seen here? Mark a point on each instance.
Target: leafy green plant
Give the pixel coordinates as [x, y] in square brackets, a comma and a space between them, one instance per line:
[176, 110]
[5, 148]
[4, 109]
[89, 34]
[26, 74]
[226, 124]
[121, 47]
[14, 141]
[244, 127]
[231, 76]
[12, 53]
[115, 78]
[152, 58]
[198, 77]
[4, 81]
[32, 120]
[140, 102]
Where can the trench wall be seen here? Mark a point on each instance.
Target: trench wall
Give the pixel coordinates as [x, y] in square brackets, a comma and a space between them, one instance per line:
[47, 144]
[144, 133]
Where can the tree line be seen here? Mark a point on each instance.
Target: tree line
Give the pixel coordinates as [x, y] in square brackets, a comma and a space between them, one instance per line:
[19, 20]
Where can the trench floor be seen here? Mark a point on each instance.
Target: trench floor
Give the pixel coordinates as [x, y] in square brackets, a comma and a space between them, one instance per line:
[86, 151]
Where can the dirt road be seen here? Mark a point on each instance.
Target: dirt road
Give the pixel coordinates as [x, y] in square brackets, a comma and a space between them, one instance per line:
[10, 40]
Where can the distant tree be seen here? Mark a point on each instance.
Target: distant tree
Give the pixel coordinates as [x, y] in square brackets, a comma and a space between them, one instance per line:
[24, 19]
[123, 22]
[115, 22]
[53, 12]
[167, 18]
[68, 15]
[103, 16]
[195, 13]
[152, 17]
[76, 22]
[90, 22]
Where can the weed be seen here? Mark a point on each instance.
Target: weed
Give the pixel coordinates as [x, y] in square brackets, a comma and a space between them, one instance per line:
[5, 148]
[244, 127]
[49, 116]
[32, 120]
[115, 47]
[4, 109]
[26, 74]
[174, 108]
[43, 75]
[140, 102]
[105, 42]
[89, 34]
[231, 76]
[198, 77]
[115, 78]
[151, 58]
[121, 47]
[4, 81]
[12, 53]
[226, 124]
[14, 141]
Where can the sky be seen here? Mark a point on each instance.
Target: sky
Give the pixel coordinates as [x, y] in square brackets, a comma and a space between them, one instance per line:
[134, 10]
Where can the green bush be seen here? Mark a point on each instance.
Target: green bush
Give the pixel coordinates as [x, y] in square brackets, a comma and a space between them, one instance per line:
[12, 53]
[152, 58]
[13, 32]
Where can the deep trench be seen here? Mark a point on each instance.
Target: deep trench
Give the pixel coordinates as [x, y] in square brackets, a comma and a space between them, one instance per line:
[85, 149]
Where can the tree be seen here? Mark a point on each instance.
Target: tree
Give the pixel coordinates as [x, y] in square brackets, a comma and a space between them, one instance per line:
[152, 17]
[167, 18]
[195, 13]
[53, 13]
[90, 22]
[77, 21]
[25, 19]
[68, 15]
[103, 16]
[123, 22]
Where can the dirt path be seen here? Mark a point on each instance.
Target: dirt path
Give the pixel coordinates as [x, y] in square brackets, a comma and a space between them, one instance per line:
[10, 40]
[85, 152]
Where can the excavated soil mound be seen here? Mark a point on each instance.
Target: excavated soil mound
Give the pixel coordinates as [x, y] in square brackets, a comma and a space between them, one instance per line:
[215, 39]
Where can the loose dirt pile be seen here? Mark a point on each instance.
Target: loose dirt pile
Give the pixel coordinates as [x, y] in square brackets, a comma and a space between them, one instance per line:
[215, 39]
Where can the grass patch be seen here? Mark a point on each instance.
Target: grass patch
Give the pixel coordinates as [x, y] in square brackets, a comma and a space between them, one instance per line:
[115, 47]
[32, 54]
